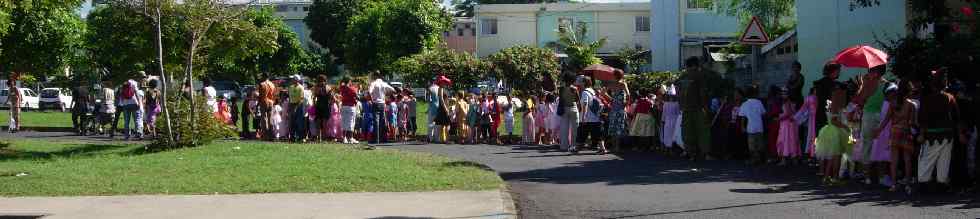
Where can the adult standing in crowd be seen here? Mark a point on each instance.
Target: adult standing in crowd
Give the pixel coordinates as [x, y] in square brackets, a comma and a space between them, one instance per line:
[322, 101]
[795, 83]
[696, 88]
[939, 120]
[152, 106]
[130, 104]
[14, 98]
[591, 124]
[619, 95]
[348, 100]
[268, 94]
[297, 110]
[568, 114]
[210, 96]
[378, 91]
[433, 98]
[824, 88]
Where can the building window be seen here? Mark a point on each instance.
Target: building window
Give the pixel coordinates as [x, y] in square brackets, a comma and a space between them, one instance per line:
[306, 8]
[472, 31]
[700, 4]
[642, 24]
[488, 26]
[467, 26]
[459, 31]
[282, 8]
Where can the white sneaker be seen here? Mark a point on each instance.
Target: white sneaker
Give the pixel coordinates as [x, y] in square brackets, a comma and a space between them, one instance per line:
[345, 141]
[354, 141]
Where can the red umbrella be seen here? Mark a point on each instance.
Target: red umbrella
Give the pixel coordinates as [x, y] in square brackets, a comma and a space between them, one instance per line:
[443, 81]
[600, 72]
[861, 57]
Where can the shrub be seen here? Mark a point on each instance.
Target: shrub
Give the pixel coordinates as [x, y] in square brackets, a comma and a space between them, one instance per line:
[651, 80]
[205, 129]
[524, 67]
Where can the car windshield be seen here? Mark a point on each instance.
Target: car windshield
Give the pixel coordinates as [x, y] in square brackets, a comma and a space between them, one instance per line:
[49, 93]
[3, 92]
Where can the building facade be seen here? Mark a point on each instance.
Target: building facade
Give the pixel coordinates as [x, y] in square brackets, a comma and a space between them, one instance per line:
[826, 27]
[684, 28]
[292, 12]
[506, 25]
[462, 36]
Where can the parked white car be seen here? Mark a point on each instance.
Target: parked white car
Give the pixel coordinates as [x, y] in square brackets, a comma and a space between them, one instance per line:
[55, 98]
[31, 101]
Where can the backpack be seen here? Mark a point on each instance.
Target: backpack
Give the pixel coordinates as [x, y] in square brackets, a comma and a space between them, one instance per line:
[595, 106]
[128, 91]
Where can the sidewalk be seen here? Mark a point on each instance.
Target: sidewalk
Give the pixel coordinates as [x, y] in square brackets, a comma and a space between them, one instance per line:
[449, 204]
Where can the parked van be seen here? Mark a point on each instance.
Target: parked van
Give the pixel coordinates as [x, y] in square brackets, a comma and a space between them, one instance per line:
[31, 100]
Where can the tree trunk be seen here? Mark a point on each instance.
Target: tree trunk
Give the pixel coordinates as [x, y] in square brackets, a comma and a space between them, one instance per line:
[188, 75]
[164, 80]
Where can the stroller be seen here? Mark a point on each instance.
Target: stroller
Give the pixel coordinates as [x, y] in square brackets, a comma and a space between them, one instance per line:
[88, 122]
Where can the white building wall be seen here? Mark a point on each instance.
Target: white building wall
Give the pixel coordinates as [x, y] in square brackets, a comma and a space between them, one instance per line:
[513, 28]
[619, 29]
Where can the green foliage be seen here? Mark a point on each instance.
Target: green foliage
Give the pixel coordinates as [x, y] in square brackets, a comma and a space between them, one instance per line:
[120, 41]
[524, 67]
[205, 129]
[385, 31]
[464, 69]
[772, 14]
[651, 80]
[40, 37]
[632, 57]
[318, 61]
[581, 53]
[260, 42]
[328, 20]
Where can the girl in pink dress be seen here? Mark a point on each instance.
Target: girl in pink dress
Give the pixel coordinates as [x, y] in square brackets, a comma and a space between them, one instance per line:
[808, 113]
[788, 141]
[335, 130]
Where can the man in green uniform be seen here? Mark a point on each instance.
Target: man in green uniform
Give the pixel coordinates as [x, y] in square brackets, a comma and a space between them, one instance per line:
[697, 86]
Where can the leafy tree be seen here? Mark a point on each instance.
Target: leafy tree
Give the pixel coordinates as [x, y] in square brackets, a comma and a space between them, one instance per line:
[318, 61]
[386, 31]
[464, 69]
[581, 53]
[244, 52]
[125, 41]
[41, 36]
[525, 67]
[328, 20]
[772, 13]
[632, 57]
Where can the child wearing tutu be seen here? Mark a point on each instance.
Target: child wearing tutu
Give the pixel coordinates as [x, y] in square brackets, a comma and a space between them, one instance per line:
[835, 137]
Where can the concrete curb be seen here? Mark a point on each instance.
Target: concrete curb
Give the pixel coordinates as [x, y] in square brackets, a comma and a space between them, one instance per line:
[508, 201]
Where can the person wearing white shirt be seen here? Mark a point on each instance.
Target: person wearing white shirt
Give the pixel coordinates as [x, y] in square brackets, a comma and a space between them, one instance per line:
[590, 125]
[210, 96]
[753, 110]
[378, 90]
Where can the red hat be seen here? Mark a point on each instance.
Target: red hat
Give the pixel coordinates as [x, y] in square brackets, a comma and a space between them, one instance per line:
[443, 81]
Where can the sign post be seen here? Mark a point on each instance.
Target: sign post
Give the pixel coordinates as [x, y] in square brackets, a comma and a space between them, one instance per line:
[756, 36]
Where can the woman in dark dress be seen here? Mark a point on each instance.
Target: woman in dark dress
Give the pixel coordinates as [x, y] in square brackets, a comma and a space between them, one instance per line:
[321, 105]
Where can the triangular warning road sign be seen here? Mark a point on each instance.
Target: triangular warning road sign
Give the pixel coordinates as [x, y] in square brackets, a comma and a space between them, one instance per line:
[754, 33]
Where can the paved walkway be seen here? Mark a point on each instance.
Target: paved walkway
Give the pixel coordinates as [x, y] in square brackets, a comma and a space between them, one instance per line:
[551, 184]
[450, 204]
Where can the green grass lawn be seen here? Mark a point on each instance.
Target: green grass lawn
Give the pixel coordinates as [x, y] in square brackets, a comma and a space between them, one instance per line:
[78, 168]
[39, 119]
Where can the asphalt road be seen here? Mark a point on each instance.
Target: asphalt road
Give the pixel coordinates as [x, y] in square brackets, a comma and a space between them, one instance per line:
[551, 184]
